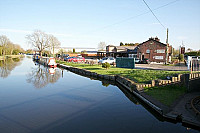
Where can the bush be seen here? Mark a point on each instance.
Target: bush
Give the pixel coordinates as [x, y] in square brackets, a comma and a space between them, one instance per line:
[106, 65]
[181, 57]
[193, 53]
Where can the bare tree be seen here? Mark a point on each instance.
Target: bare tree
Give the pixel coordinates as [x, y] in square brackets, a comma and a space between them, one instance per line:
[61, 51]
[4, 41]
[54, 43]
[40, 76]
[6, 66]
[10, 47]
[101, 46]
[39, 40]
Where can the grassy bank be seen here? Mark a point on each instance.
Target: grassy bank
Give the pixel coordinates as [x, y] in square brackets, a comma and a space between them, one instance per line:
[167, 94]
[10, 56]
[137, 75]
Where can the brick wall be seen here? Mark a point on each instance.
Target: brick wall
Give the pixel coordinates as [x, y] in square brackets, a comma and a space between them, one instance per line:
[153, 50]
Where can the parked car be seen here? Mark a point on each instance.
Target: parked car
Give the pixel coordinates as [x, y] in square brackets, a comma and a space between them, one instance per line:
[68, 59]
[110, 60]
[145, 61]
[77, 59]
[137, 61]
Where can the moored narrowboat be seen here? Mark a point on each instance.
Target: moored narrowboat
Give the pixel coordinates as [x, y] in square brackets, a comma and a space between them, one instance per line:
[48, 61]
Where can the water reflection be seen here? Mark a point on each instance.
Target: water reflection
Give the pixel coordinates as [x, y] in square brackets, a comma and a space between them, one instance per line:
[105, 83]
[40, 76]
[7, 65]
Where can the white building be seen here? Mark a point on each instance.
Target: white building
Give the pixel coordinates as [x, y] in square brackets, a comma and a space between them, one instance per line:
[77, 49]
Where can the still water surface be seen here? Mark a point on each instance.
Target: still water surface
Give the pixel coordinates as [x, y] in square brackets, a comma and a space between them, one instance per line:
[34, 98]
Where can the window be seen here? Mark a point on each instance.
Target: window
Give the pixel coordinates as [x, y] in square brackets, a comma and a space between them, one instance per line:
[132, 55]
[147, 51]
[158, 57]
[160, 50]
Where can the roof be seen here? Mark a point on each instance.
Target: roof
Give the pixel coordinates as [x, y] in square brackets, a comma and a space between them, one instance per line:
[111, 46]
[152, 39]
[90, 51]
[125, 47]
[78, 48]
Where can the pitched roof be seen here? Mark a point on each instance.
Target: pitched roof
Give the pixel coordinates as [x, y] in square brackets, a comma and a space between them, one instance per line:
[125, 47]
[152, 39]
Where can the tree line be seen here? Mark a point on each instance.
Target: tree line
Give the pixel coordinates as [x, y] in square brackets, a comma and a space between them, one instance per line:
[42, 41]
[9, 48]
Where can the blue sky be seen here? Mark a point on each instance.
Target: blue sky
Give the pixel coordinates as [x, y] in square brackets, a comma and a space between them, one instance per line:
[78, 23]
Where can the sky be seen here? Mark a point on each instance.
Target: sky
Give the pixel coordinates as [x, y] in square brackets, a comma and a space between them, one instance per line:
[86, 23]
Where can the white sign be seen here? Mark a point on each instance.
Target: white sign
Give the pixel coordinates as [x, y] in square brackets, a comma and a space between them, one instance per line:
[160, 50]
[158, 57]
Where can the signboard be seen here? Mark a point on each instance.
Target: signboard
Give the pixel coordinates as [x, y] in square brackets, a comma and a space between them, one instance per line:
[158, 57]
[182, 50]
[160, 50]
[124, 62]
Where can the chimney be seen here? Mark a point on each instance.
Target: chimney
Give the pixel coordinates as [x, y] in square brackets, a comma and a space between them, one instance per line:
[151, 38]
[156, 38]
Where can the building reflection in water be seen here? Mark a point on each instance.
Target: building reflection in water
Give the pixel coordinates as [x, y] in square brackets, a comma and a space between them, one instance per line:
[41, 76]
[7, 65]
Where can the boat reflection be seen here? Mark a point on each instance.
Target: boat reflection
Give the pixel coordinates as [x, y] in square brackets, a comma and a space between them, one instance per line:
[42, 76]
[7, 65]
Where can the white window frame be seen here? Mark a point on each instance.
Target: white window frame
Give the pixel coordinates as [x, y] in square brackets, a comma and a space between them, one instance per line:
[148, 51]
[160, 51]
[158, 57]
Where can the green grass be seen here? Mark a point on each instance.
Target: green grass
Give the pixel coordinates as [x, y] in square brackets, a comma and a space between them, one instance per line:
[167, 94]
[137, 75]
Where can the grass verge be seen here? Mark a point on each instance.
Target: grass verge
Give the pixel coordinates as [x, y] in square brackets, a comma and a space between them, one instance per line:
[137, 75]
[167, 94]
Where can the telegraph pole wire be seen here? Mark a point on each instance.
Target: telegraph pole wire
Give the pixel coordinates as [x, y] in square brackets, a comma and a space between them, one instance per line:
[154, 14]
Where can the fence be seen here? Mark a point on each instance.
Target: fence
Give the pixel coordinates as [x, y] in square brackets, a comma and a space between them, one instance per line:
[193, 64]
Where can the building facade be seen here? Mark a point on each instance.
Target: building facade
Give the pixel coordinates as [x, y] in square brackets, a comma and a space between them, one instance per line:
[120, 51]
[151, 49]
[154, 50]
[77, 49]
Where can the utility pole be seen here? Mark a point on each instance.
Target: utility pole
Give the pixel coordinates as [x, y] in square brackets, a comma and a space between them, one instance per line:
[166, 48]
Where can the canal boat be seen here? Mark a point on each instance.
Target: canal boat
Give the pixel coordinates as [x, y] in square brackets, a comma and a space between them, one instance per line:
[36, 57]
[48, 61]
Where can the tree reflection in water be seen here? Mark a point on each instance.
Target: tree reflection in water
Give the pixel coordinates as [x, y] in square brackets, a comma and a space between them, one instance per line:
[41, 76]
[7, 65]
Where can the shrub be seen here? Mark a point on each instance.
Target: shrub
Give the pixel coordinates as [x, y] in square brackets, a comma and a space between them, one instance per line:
[106, 65]
[181, 57]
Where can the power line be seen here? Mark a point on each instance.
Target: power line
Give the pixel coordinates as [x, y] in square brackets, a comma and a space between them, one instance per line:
[127, 19]
[154, 14]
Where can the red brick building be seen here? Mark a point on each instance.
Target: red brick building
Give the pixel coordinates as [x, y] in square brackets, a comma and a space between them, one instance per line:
[154, 50]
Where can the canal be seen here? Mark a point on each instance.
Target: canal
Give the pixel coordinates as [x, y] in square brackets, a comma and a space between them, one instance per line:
[34, 98]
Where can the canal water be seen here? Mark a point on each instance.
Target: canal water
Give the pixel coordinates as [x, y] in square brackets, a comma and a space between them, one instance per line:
[34, 98]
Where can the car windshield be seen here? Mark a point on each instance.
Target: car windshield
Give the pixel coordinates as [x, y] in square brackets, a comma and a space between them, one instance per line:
[105, 58]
